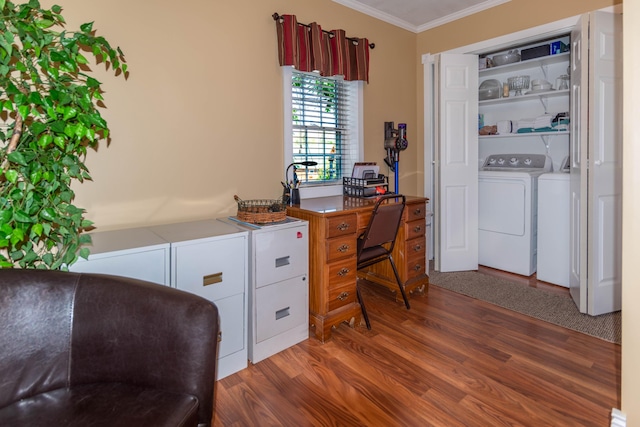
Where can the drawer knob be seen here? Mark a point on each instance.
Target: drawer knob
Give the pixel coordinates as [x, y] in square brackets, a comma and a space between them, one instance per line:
[417, 211]
[417, 229]
[220, 336]
[343, 248]
[343, 272]
[343, 296]
[417, 248]
[342, 227]
[417, 267]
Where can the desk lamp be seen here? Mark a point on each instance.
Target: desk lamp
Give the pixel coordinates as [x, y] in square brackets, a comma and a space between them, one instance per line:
[295, 176]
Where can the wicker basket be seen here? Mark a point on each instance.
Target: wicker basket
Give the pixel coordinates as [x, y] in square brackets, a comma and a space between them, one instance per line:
[261, 211]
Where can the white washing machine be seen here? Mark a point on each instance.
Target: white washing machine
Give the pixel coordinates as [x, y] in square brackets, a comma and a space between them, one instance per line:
[507, 211]
[554, 228]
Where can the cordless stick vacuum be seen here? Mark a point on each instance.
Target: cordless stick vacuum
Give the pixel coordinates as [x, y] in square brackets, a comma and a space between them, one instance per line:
[395, 141]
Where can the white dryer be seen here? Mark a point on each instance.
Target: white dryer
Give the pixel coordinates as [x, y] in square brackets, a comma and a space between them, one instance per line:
[507, 216]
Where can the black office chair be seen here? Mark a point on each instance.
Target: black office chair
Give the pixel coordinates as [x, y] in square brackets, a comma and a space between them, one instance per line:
[377, 241]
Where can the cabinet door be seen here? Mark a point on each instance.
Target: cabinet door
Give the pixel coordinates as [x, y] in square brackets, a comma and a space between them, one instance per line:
[211, 269]
[280, 255]
[232, 319]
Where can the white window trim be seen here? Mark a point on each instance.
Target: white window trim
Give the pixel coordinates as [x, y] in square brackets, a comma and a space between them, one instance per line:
[311, 191]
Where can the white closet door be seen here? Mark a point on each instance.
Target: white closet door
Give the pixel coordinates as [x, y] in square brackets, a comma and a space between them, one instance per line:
[597, 195]
[579, 160]
[456, 156]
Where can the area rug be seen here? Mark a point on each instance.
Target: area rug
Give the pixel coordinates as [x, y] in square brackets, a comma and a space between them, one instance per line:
[557, 309]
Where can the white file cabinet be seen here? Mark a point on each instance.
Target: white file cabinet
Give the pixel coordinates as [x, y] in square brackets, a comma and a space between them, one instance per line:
[209, 258]
[137, 253]
[278, 286]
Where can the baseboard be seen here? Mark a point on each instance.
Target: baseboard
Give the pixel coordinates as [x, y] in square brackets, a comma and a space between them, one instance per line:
[618, 418]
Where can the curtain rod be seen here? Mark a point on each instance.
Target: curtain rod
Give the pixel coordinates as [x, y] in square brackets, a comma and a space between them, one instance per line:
[276, 16]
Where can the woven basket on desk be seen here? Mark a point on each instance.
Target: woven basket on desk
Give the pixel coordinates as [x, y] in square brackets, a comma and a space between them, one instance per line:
[262, 211]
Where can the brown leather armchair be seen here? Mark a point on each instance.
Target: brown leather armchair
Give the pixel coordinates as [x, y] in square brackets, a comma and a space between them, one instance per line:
[96, 350]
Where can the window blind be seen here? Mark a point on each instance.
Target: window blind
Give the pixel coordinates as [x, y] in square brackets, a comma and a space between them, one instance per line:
[322, 110]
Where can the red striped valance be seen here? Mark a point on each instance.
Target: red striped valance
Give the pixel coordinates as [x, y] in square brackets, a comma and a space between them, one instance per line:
[309, 48]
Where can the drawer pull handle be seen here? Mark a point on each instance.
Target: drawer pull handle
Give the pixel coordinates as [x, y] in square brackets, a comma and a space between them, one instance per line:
[220, 336]
[417, 211]
[281, 262]
[342, 227]
[343, 272]
[343, 248]
[417, 248]
[343, 296]
[417, 267]
[283, 313]
[417, 229]
[212, 279]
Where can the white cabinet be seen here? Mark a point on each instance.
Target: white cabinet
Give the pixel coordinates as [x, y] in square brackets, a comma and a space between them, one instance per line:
[278, 289]
[137, 253]
[209, 258]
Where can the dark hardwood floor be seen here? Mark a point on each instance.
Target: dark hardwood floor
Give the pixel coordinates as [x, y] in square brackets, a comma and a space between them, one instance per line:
[449, 361]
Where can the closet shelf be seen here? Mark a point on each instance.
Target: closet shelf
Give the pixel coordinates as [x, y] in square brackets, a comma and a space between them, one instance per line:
[528, 134]
[525, 97]
[525, 65]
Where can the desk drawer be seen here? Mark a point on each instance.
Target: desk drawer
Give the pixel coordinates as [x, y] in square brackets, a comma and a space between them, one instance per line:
[416, 211]
[416, 246]
[341, 225]
[341, 272]
[341, 247]
[341, 296]
[415, 229]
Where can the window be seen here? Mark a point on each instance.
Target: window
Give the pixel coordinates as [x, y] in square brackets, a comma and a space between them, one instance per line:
[322, 124]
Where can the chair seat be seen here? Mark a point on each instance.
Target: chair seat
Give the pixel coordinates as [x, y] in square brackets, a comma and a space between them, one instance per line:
[102, 405]
[369, 254]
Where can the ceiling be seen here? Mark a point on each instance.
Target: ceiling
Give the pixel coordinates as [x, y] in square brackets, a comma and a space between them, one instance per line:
[419, 15]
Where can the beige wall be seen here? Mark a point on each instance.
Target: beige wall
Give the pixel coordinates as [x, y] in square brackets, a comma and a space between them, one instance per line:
[200, 118]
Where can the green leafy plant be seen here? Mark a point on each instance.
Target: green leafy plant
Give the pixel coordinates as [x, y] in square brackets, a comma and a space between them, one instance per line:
[49, 117]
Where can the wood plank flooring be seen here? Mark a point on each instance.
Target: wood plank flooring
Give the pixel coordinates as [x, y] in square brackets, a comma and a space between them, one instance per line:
[449, 361]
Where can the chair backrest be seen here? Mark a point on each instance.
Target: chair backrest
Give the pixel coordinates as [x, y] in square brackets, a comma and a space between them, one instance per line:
[59, 329]
[384, 222]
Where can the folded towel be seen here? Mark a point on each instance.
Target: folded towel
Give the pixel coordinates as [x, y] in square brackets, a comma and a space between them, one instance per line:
[543, 121]
[526, 123]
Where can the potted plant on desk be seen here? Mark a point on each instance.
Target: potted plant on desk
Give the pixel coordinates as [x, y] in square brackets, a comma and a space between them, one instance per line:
[48, 119]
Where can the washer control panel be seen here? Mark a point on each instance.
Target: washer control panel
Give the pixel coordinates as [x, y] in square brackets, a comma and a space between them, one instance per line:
[517, 162]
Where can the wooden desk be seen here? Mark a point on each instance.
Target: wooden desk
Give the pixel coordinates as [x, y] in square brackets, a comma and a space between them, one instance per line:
[334, 225]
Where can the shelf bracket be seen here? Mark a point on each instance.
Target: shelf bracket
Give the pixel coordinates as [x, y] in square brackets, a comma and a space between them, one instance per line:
[543, 101]
[544, 67]
[545, 140]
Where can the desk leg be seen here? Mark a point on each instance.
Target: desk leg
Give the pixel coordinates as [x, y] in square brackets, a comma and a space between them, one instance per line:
[322, 326]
